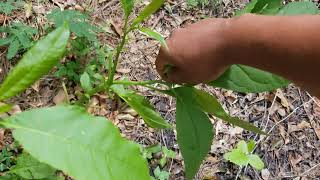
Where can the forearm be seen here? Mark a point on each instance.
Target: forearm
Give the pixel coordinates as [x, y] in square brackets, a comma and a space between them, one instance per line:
[288, 46]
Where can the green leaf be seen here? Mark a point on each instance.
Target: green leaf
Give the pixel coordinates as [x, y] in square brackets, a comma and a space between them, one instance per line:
[161, 175]
[127, 6]
[79, 23]
[237, 157]
[155, 35]
[212, 106]
[247, 79]
[194, 130]
[247, 9]
[270, 7]
[255, 161]
[251, 144]
[83, 146]
[5, 41]
[147, 11]
[5, 108]
[30, 168]
[141, 106]
[299, 8]
[13, 48]
[36, 63]
[242, 146]
[148, 151]
[85, 82]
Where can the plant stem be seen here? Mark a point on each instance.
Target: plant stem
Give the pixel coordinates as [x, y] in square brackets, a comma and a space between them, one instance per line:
[138, 82]
[118, 52]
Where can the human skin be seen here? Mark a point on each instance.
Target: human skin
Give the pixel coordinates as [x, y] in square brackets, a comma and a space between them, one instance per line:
[285, 45]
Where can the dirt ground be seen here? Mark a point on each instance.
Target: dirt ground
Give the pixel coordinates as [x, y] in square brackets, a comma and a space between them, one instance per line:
[290, 115]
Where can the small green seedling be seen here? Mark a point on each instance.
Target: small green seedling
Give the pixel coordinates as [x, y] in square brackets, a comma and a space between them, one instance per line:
[7, 7]
[160, 174]
[18, 37]
[79, 23]
[242, 155]
[166, 153]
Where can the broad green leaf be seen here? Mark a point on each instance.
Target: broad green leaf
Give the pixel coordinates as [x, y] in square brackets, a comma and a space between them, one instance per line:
[155, 35]
[141, 106]
[36, 63]
[13, 48]
[194, 130]
[251, 144]
[211, 105]
[255, 161]
[299, 8]
[85, 82]
[247, 79]
[5, 108]
[30, 168]
[237, 157]
[242, 145]
[270, 7]
[127, 6]
[147, 11]
[83, 146]
[247, 9]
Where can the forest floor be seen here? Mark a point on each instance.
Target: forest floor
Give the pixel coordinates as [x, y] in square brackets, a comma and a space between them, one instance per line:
[290, 115]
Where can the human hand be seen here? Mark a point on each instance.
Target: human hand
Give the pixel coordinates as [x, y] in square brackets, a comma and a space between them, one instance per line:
[195, 54]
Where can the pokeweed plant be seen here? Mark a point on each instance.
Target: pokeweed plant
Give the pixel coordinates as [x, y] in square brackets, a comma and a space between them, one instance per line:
[67, 138]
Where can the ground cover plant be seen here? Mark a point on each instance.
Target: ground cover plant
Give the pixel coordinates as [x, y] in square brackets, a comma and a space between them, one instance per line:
[55, 136]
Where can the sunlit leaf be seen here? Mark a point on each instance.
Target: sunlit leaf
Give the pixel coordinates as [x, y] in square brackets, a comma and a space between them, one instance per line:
[212, 106]
[141, 106]
[255, 161]
[38, 61]
[83, 146]
[155, 35]
[247, 79]
[147, 11]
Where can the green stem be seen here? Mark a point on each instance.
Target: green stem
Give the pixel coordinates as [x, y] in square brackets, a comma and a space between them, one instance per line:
[118, 52]
[138, 82]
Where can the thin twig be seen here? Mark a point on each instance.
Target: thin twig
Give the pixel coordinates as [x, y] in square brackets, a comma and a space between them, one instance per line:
[304, 173]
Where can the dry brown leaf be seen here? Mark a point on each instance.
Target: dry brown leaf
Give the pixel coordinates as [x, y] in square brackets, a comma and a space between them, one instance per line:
[265, 174]
[130, 111]
[36, 85]
[123, 70]
[283, 99]
[303, 125]
[60, 97]
[126, 117]
[15, 110]
[28, 9]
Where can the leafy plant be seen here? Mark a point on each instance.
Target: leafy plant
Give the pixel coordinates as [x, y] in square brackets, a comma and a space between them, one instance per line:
[6, 158]
[29, 168]
[160, 174]
[8, 6]
[166, 153]
[64, 137]
[18, 37]
[242, 155]
[78, 23]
